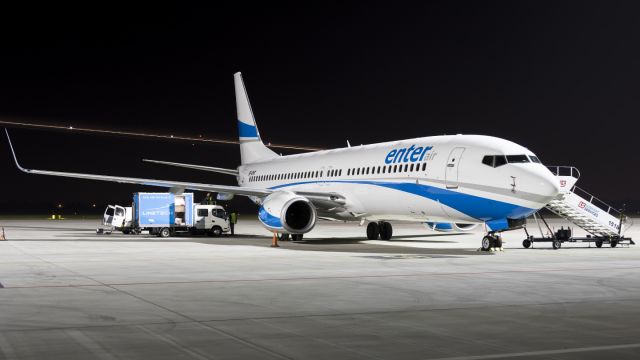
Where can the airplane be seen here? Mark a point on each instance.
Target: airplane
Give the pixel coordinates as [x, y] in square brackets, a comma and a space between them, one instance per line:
[449, 182]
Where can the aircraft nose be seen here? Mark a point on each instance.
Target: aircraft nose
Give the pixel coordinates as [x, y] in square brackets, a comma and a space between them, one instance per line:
[547, 184]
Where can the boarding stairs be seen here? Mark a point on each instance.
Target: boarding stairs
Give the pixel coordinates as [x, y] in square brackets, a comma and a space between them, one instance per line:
[585, 210]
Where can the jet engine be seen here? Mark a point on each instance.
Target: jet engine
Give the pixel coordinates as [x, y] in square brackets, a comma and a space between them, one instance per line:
[447, 227]
[286, 212]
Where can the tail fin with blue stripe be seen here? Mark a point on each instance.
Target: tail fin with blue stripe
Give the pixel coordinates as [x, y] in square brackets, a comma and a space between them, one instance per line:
[251, 147]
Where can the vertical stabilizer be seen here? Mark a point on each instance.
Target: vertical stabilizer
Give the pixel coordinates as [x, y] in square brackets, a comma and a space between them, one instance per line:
[251, 147]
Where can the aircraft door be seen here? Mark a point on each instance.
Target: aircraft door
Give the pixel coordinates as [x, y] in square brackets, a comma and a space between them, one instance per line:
[453, 165]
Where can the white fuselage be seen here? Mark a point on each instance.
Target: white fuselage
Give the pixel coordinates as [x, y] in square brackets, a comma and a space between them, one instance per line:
[429, 179]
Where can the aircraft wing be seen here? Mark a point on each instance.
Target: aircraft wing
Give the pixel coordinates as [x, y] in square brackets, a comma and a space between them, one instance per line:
[175, 186]
[179, 186]
[195, 167]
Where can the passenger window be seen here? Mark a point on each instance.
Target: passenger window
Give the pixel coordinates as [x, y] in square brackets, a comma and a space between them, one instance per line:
[406, 167]
[383, 169]
[411, 167]
[499, 160]
[424, 166]
[395, 168]
[203, 212]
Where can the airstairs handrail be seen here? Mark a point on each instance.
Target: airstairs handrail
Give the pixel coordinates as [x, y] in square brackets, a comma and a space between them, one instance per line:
[564, 170]
[595, 201]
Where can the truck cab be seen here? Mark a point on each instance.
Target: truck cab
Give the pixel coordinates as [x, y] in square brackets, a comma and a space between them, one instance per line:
[117, 217]
[212, 219]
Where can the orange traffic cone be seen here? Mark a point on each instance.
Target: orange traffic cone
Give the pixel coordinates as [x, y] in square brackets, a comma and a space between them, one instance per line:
[2, 235]
[274, 241]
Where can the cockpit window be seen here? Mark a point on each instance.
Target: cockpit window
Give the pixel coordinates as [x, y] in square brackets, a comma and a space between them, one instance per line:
[517, 159]
[494, 160]
[488, 160]
[535, 159]
[500, 160]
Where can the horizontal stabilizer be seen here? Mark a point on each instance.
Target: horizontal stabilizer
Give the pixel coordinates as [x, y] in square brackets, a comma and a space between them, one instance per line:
[195, 167]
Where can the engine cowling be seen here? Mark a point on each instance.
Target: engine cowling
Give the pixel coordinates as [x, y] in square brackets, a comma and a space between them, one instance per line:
[286, 212]
[448, 227]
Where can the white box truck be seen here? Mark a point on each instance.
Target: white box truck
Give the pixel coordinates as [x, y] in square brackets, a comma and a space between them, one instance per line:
[167, 214]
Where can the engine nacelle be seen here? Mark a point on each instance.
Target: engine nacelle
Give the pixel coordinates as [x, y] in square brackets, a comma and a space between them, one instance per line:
[447, 227]
[286, 212]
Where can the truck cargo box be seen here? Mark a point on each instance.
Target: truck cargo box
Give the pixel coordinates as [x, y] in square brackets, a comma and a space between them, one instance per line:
[163, 209]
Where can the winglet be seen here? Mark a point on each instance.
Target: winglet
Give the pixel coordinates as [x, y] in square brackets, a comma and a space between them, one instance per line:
[14, 153]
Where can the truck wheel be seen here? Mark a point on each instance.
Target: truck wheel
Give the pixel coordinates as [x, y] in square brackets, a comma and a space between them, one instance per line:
[557, 244]
[614, 243]
[216, 231]
[165, 232]
[126, 231]
[526, 243]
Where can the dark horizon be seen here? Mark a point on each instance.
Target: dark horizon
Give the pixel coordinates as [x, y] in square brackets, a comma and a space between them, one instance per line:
[560, 79]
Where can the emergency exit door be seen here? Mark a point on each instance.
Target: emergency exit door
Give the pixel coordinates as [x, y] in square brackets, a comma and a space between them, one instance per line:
[453, 164]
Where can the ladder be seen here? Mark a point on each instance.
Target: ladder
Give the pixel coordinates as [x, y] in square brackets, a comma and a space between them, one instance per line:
[583, 209]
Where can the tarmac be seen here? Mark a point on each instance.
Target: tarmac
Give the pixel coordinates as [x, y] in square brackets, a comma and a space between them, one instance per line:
[68, 293]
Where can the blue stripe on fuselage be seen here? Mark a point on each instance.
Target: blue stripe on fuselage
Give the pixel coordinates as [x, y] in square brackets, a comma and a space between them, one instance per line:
[474, 206]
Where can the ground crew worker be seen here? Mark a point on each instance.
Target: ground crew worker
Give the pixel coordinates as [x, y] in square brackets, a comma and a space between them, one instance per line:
[233, 219]
[208, 200]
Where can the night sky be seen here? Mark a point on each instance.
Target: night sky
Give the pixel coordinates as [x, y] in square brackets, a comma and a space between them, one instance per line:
[560, 78]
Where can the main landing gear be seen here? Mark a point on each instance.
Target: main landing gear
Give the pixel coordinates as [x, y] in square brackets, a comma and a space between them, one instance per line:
[379, 230]
[491, 241]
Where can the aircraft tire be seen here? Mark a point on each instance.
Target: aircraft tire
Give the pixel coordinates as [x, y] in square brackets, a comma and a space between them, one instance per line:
[497, 242]
[598, 243]
[284, 237]
[386, 230]
[614, 243]
[373, 231]
[296, 237]
[526, 243]
[487, 243]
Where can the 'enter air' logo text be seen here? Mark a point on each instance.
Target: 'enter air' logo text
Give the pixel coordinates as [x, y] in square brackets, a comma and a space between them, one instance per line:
[410, 154]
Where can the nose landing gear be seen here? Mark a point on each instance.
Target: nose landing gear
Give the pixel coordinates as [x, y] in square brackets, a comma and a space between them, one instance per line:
[491, 241]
